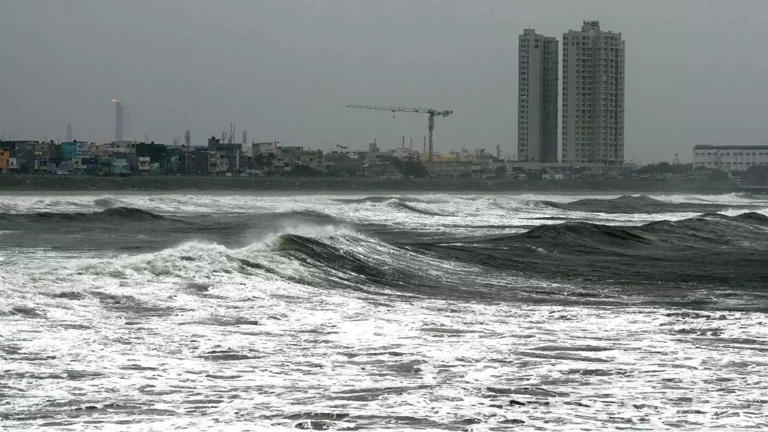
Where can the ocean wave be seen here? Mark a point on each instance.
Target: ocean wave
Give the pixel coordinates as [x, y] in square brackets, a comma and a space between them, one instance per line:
[121, 214]
[109, 202]
[307, 218]
[300, 254]
[717, 227]
[638, 204]
[715, 250]
[317, 250]
[406, 203]
[385, 198]
[194, 260]
[399, 204]
[343, 262]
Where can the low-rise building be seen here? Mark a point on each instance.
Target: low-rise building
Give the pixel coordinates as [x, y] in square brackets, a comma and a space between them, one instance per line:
[5, 161]
[85, 165]
[120, 167]
[405, 153]
[228, 151]
[382, 170]
[729, 158]
[450, 168]
[41, 165]
[24, 153]
[145, 164]
[313, 159]
[264, 148]
[344, 164]
[204, 162]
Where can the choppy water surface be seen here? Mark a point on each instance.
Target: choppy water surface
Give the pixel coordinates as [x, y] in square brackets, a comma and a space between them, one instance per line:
[413, 312]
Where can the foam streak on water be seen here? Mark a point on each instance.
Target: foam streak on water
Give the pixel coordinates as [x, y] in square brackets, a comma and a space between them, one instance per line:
[431, 312]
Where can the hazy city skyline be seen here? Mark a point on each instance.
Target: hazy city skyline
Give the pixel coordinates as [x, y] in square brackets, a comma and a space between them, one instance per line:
[285, 70]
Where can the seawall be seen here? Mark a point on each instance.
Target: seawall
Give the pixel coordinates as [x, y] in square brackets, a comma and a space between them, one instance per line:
[332, 184]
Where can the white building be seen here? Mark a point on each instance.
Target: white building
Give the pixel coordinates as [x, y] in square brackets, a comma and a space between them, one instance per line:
[264, 148]
[729, 158]
[593, 95]
[144, 164]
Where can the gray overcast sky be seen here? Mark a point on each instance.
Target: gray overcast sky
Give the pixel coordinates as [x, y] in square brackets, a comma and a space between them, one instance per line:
[697, 71]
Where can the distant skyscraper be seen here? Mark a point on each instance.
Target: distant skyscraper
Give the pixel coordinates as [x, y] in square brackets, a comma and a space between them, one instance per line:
[69, 132]
[537, 98]
[118, 120]
[593, 95]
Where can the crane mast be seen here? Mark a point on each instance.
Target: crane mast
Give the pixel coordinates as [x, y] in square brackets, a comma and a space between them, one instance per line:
[431, 114]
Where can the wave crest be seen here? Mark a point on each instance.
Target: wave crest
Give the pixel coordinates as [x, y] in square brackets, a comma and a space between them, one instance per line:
[114, 213]
[636, 204]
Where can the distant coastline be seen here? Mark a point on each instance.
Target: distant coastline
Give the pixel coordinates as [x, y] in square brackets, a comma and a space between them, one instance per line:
[335, 184]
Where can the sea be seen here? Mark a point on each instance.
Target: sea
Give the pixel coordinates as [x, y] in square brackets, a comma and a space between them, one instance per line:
[383, 312]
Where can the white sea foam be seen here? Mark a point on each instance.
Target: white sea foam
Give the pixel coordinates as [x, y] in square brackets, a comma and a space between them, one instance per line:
[191, 338]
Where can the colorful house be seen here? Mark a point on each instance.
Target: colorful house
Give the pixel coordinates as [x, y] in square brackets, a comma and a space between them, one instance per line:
[5, 161]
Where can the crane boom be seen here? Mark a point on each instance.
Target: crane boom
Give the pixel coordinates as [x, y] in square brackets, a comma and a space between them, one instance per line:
[443, 113]
[431, 113]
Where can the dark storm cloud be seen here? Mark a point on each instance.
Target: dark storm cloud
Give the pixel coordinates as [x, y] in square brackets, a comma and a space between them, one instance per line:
[285, 69]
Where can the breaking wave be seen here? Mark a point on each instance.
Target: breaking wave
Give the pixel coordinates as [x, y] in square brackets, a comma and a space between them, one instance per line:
[398, 204]
[122, 214]
[637, 204]
[194, 314]
[657, 260]
[709, 250]
[382, 199]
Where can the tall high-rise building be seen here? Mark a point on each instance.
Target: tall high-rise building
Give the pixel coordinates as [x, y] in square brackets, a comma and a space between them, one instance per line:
[537, 98]
[593, 95]
[118, 120]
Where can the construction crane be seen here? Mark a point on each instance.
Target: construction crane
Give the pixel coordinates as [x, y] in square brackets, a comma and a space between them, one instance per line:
[431, 113]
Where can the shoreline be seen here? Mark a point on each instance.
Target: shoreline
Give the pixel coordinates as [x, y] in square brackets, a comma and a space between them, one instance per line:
[335, 184]
[21, 183]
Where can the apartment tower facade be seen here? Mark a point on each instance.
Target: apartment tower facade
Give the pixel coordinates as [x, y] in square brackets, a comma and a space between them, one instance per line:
[537, 98]
[593, 96]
